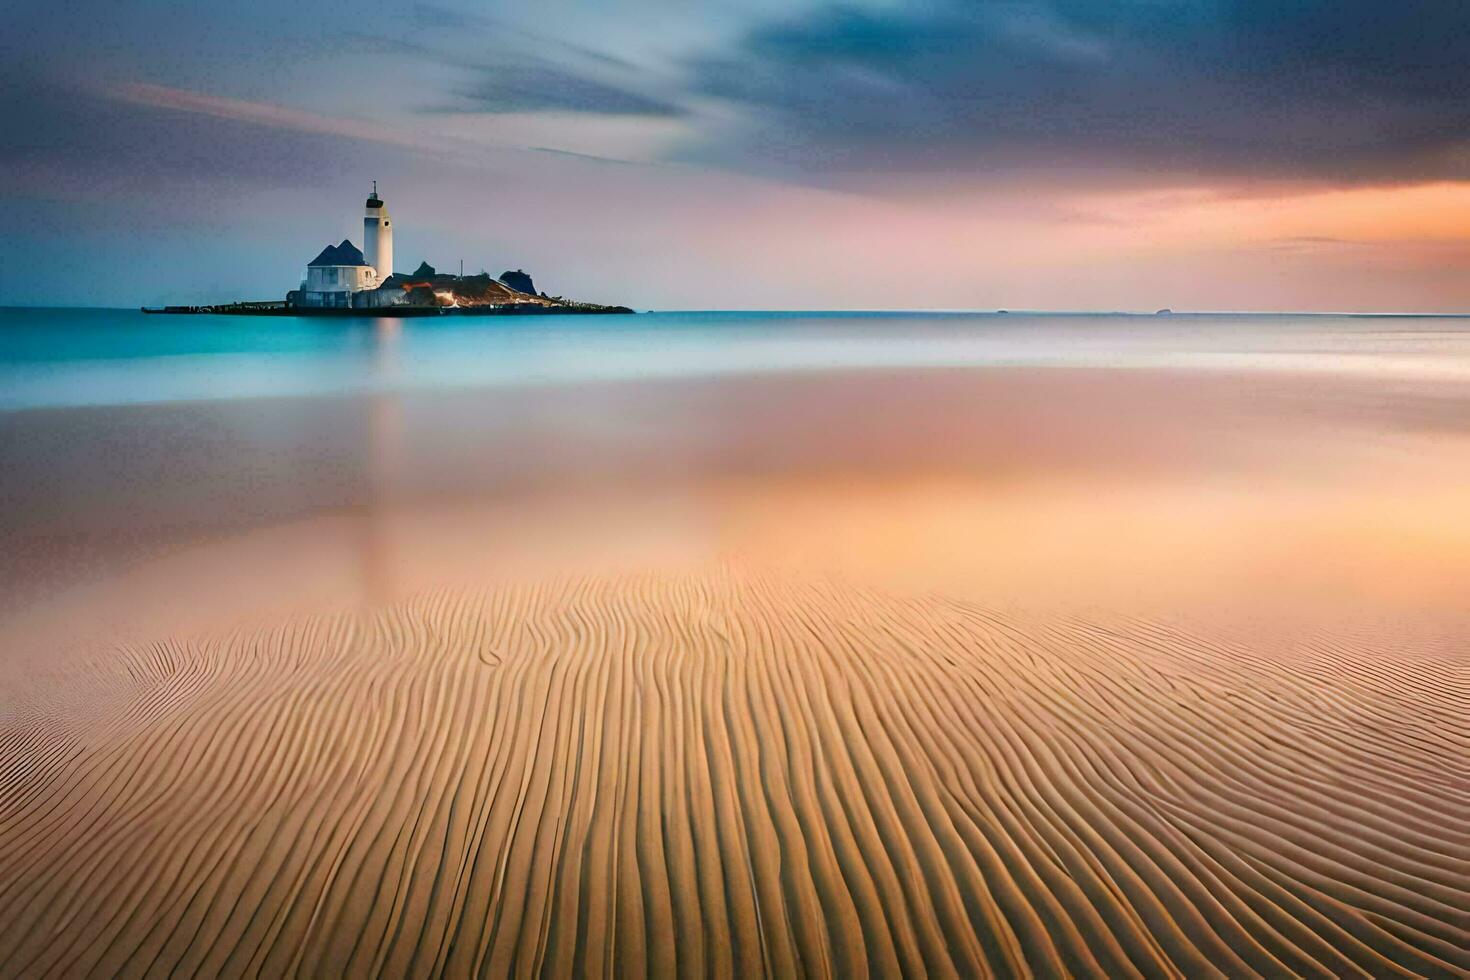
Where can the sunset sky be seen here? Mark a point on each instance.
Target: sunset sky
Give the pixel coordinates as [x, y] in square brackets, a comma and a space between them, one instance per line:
[1047, 154]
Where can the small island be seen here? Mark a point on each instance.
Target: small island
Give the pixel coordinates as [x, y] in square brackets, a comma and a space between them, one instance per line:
[343, 280]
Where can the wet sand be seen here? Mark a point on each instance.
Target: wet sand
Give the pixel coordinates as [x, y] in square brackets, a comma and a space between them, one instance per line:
[1099, 673]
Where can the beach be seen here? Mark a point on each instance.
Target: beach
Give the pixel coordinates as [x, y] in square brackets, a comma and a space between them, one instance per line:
[959, 647]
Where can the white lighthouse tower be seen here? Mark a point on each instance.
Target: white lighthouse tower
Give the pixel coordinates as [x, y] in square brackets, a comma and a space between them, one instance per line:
[377, 233]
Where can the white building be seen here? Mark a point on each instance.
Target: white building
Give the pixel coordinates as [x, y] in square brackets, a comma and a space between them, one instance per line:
[334, 275]
[377, 235]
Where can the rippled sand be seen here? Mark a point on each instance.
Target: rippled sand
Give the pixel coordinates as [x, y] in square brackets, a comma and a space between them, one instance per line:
[947, 674]
[731, 773]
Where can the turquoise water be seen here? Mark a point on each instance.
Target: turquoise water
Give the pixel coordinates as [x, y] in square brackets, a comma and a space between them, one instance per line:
[60, 357]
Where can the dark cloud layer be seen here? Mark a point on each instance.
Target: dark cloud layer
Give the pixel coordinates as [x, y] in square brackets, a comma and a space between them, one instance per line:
[56, 134]
[511, 69]
[529, 86]
[1340, 90]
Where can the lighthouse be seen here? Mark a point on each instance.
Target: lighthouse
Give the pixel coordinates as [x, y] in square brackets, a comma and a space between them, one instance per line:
[377, 233]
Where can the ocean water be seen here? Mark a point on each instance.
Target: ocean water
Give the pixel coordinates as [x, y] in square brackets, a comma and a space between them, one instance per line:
[54, 358]
[1142, 460]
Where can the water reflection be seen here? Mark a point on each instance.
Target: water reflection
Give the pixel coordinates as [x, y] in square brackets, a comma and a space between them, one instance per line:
[384, 437]
[1154, 485]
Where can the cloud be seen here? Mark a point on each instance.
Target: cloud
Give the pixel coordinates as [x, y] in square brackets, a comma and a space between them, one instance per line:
[433, 17]
[112, 142]
[1316, 241]
[1349, 90]
[535, 86]
[261, 114]
[505, 68]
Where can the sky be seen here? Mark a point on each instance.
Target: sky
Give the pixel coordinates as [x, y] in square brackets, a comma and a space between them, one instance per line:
[770, 154]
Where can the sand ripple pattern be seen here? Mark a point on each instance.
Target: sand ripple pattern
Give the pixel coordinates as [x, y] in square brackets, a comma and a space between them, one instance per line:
[732, 774]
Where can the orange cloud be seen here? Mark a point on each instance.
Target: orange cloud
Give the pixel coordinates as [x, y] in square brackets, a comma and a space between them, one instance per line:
[261, 114]
[1434, 212]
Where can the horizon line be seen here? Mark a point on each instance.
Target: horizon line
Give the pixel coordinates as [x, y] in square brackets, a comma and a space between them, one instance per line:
[915, 311]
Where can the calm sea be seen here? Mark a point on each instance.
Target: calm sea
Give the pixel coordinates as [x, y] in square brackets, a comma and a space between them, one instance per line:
[63, 357]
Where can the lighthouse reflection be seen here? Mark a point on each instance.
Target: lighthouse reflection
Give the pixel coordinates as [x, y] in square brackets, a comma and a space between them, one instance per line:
[384, 453]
